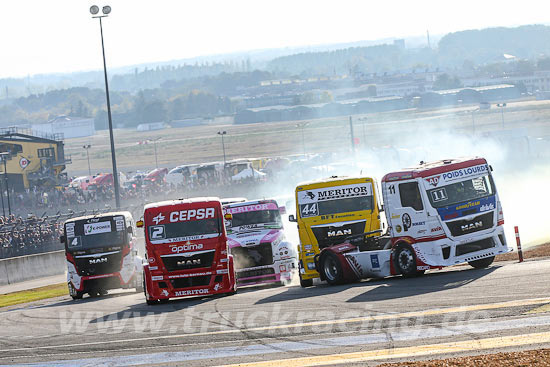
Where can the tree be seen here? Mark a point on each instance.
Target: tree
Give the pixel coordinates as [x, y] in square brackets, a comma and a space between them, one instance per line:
[445, 81]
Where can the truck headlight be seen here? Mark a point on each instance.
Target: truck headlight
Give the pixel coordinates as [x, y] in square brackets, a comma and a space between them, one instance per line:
[311, 266]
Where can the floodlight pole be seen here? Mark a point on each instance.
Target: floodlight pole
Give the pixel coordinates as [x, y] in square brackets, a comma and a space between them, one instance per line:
[87, 147]
[222, 133]
[5, 159]
[113, 157]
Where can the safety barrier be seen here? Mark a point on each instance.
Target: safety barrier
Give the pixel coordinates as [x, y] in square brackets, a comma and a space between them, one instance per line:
[21, 268]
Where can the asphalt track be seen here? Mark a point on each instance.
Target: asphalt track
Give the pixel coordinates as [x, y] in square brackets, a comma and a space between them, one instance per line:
[452, 312]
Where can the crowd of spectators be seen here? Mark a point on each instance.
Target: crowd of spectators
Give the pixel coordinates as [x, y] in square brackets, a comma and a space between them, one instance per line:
[20, 236]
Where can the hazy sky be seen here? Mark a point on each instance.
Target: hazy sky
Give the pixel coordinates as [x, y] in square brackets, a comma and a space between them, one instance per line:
[39, 36]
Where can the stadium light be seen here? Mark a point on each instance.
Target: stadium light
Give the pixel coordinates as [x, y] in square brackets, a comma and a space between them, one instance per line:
[106, 10]
[222, 133]
[4, 156]
[502, 105]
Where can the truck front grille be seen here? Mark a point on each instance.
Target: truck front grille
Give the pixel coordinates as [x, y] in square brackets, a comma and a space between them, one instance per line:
[463, 226]
[332, 235]
[250, 257]
[194, 261]
[100, 265]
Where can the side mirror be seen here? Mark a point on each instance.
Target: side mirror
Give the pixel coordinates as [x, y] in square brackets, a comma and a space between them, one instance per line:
[139, 224]
[62, 238]
[130, 230]
[291, 218]
[282, 210]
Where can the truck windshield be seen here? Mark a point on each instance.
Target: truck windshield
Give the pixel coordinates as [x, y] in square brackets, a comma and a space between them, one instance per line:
[103, 233]
[268, 217]
[462, 191]
[336, 206]
[183, 231]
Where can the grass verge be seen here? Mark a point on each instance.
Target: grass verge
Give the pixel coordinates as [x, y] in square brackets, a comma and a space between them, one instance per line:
[36, 294]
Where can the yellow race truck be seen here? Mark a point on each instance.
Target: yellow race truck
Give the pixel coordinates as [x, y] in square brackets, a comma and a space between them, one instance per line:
[330, 210]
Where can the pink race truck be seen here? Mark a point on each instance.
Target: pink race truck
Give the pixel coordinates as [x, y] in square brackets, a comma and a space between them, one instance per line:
[256, 239]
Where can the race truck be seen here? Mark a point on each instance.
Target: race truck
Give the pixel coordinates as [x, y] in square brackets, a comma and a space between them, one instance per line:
[439, 214]
[186, 246]
[257, 242]
[101, 253]
[330, 210]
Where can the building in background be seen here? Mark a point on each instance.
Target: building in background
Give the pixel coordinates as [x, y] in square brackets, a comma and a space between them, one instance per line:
[35, 159]
[70, 127]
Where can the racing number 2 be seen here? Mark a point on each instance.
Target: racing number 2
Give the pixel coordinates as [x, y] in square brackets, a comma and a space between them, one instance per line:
[308, 210]
[156, 232]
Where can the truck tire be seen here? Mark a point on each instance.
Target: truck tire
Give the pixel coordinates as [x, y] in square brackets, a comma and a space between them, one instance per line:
[74, 293]
[150, 302]
[304, 283]
[482, 263]
[332, 269]
[405, 261]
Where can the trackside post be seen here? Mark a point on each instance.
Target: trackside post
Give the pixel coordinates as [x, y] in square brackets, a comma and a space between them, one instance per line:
[518, 241]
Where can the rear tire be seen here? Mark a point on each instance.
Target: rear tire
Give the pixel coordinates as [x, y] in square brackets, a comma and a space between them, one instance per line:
[332, 269]
[405, 261]
[482, 263]
[304, 283]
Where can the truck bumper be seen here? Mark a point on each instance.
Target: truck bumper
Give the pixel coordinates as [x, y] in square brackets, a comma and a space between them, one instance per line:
[190, 283]
[280, 271]
[447, 252]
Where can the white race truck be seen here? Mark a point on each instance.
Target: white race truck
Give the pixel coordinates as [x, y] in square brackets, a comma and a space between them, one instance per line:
[439, 214]
[256, 239]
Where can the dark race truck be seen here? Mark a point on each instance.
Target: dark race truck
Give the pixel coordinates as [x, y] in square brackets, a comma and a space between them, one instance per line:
[101, 252]
[187, 253]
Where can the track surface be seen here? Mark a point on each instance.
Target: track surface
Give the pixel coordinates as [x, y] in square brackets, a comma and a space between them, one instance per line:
[446, 313]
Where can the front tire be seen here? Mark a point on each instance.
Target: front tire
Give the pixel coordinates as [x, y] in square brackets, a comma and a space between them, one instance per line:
[150, 302]
[304, 283]
[405, 261]
[332, 269]
[74, 293]
[482, 263]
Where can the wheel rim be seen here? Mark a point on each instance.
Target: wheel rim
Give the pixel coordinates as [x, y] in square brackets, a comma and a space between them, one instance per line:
[405, 259]
[330, 268]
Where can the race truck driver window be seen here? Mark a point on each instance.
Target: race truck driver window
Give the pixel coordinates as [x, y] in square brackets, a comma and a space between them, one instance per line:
[460, 192]
[410, 196]
[184, 229]
[256, 217]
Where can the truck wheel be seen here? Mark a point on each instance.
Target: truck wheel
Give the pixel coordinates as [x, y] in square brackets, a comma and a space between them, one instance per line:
[74, 293]
[405, 261]
[149, 302]
[482, 263]
[304, 283]
[332, 269]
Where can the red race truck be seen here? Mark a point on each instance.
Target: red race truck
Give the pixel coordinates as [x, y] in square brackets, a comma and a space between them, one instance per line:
[186, 247]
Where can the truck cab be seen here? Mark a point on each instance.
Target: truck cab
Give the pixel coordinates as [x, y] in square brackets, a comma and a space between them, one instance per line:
[447, 211]
[330, 210]
[187, 253]
[258, 244]
[101, 252]
[439, 214]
